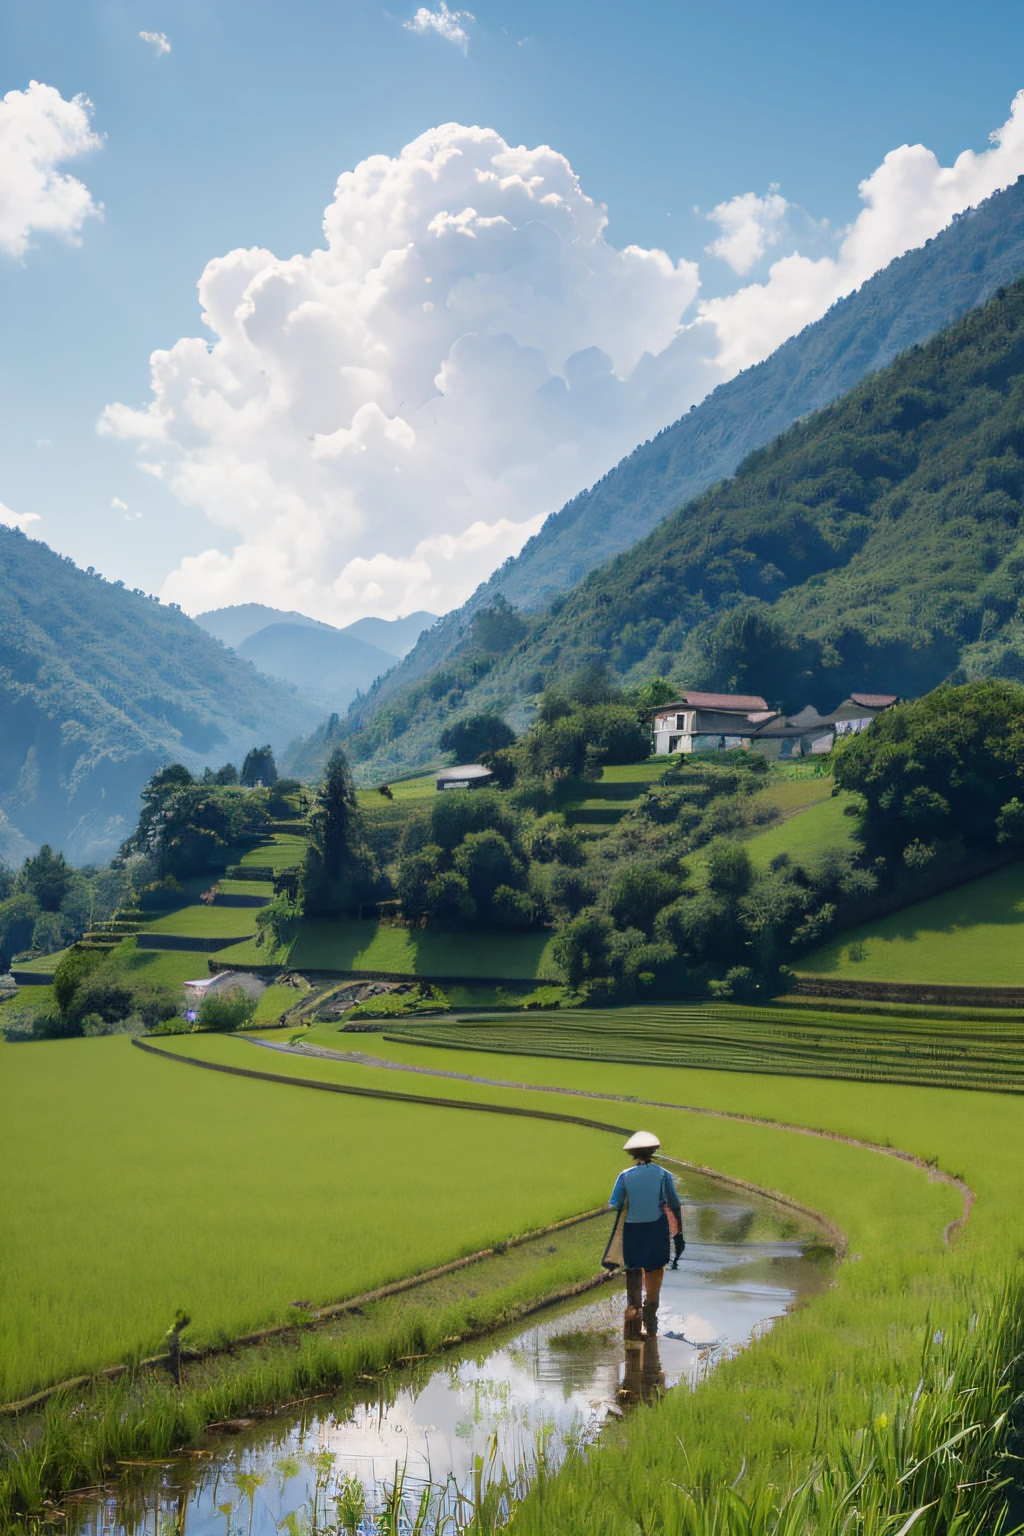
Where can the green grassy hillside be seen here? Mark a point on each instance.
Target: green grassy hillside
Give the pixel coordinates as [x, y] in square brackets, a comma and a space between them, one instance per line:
[875, 546]
[972, 935]
[99, 686]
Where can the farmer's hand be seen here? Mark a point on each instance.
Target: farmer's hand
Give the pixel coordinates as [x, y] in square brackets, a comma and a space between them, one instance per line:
[678, 1243]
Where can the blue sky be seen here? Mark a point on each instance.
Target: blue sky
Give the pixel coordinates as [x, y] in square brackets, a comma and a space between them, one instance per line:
[236, 136]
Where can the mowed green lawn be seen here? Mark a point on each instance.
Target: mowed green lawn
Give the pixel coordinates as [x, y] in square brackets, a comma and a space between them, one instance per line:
[971, 935]
[132, 1186]
[370, 945]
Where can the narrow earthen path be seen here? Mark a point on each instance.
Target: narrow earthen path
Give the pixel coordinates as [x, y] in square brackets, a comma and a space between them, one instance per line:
[359, 1058]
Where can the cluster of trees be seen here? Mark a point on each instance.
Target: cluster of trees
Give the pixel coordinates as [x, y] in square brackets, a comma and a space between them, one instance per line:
[188, 825]
[47, 904]
[467, 864]
[579, 728]
[733, 934]
[940, 776]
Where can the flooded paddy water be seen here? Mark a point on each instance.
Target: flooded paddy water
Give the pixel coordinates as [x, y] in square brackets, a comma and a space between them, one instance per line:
[440, 1434]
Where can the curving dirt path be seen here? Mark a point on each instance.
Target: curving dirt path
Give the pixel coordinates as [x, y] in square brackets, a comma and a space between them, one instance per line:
[935, 1174]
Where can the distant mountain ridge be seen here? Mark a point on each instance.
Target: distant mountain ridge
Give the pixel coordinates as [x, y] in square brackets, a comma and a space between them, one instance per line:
[240, 621]
[99, 686]
[328, 666]
[904, 304]
[236, 623]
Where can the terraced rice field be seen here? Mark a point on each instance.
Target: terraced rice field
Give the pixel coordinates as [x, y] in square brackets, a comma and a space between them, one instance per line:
[347, 945]
[283, 851]
[867, 1048]
[204, 922]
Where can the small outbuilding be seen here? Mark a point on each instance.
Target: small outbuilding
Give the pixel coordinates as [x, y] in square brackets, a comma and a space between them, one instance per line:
[224, 982]
[464, 776]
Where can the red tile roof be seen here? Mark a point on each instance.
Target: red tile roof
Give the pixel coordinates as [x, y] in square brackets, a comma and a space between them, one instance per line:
[738, 703]
[874, 700]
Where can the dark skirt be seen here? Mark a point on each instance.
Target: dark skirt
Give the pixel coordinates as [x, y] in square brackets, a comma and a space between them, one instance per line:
[645, 1244]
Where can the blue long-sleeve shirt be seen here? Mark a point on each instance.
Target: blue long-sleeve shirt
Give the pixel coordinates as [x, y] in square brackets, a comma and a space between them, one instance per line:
[648, 1189]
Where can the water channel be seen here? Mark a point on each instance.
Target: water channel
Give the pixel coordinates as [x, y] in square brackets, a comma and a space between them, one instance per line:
[481, 1414]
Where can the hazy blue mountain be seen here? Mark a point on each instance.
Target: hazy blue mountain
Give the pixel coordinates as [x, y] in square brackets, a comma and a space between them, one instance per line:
[237, 622]
[241, 621]
[902, 305]
[99, 686]
[395, 635]
[329, 666]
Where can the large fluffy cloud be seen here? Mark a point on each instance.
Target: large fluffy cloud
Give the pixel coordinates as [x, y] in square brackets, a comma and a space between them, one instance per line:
[39, 130]
[379, 424]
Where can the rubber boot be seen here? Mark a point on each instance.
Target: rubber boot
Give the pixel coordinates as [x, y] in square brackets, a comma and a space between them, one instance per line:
[634, 1308]
[651, 1319]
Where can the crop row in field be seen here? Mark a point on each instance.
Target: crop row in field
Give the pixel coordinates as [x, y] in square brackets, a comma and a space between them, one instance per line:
[913, 1051]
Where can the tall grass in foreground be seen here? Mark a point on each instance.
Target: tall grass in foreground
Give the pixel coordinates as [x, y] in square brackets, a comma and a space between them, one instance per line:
[923, 1451]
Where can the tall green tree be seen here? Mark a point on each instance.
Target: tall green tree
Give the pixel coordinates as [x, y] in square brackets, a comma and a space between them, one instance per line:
[259, 768]
[338, 874]
[47, 877]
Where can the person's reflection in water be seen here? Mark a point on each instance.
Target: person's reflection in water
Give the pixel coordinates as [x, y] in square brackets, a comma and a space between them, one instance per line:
[643, 1379]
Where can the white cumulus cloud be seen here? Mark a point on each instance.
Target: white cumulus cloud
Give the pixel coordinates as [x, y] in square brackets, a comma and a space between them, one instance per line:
[447, 24]
[159, 42]
[907, 199]
[379, 424]
[38, 131]
[749, 225]
[20, 520]
[382, 422]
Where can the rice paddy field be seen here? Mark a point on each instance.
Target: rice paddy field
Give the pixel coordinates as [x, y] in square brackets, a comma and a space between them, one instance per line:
[234, 1197]
[986, 1054]
[972, 934]
[175, 1187]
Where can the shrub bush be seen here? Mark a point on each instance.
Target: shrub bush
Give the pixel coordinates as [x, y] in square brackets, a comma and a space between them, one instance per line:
[225, 1011]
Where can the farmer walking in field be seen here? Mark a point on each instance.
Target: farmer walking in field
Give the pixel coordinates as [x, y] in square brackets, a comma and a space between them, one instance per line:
[646, 1201]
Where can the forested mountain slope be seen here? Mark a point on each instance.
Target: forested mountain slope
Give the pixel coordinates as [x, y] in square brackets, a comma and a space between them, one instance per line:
[98, 687]
[876, 545]
[907, 302]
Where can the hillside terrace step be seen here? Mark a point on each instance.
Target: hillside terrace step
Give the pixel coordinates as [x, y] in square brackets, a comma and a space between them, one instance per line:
[31, 978]
[231, 899]
[204, 944]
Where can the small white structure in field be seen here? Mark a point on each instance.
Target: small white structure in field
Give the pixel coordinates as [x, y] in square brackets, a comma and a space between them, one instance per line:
[464, 776]
[223, 982]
